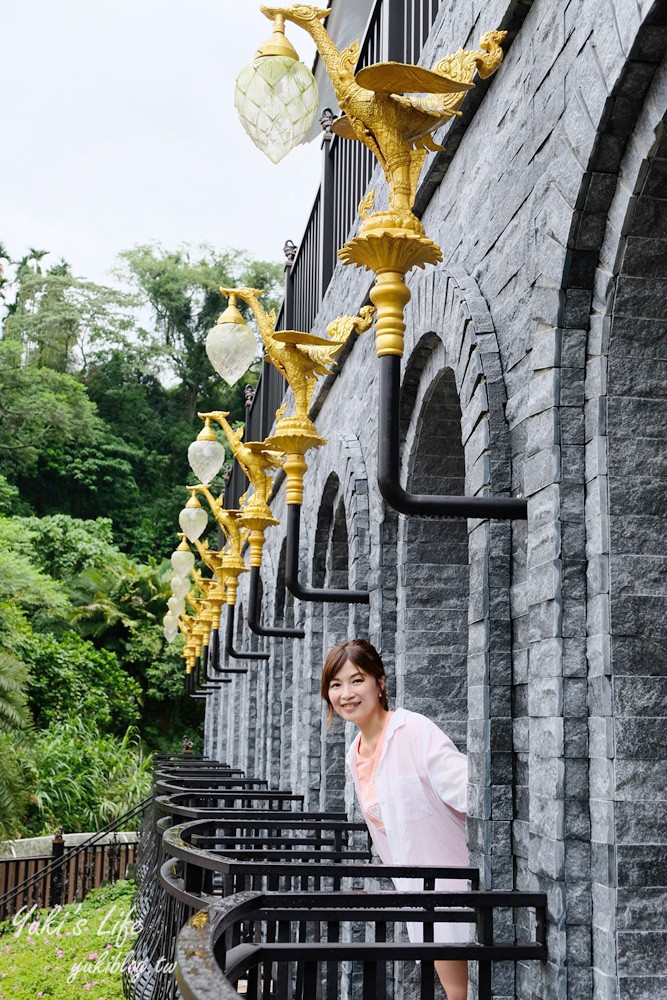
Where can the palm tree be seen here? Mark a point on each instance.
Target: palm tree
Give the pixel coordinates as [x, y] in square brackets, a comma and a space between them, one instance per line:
[14, 727]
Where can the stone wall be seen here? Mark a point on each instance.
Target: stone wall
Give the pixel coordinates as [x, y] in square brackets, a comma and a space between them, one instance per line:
[534, 364]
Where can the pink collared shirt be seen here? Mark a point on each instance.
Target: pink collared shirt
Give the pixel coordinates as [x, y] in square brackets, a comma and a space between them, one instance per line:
[421, 782]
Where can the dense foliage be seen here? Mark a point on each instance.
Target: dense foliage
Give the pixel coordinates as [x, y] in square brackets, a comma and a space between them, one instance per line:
[96, 414]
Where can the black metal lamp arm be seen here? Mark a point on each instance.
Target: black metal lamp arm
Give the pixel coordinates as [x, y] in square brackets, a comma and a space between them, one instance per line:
[253, 613]
[300, 591]
[202, 684]
[229, 641]
[213, 661]
[499, 508]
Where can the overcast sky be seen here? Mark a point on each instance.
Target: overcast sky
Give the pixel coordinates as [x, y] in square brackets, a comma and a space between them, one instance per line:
[118, 127]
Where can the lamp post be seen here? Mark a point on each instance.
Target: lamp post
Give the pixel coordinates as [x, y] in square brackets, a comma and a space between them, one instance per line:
[258, 463]
[233, 564]
[382, 109]
[301, 358]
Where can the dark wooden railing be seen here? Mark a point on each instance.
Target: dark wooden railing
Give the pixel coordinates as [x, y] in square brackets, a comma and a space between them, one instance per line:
[70, 871]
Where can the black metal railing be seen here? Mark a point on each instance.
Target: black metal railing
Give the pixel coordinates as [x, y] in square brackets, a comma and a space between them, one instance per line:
[161, 914]
[289, 898]
[293, 946]
[157, 915]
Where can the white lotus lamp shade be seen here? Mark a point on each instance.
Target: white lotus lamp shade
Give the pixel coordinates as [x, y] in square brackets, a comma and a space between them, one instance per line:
[193, 521]
[179, 586]
[206, 455]
[276, 99]
[183, 562]
[170, 630]
[230, 345]
[176, 606]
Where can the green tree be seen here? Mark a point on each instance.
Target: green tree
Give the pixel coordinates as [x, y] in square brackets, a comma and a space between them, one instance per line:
[14, 730]
[182, 289]
[39, 409]
[68, 674]
[83, 779]
[56, 316]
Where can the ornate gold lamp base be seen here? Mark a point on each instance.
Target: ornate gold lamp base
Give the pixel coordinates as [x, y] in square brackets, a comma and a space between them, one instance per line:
[390, 245]
[294, 436]
[257, 525]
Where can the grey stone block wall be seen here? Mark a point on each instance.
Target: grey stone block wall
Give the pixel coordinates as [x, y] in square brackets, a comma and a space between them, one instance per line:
[534, 364]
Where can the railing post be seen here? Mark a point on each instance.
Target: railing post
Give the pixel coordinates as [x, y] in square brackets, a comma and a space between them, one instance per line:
[485, 938]
[288, 305]
[393, 33]
[58, 856]
[327, 254]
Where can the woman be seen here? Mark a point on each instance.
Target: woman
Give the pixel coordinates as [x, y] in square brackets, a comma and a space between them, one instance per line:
[410, 782]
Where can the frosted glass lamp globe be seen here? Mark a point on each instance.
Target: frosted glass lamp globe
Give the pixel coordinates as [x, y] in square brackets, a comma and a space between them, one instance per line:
[170, 630]
[176, 606]
[231, 346]
[183, 562]
[276, 99]
[206, 455]
[179, 586]
[193, 521]
[276, 95]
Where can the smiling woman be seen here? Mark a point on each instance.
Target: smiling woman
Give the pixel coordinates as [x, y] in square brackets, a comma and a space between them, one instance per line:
[410, 781]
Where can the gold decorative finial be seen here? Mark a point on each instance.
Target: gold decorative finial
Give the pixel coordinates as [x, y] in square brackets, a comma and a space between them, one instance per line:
[236, 535]
[256, 461]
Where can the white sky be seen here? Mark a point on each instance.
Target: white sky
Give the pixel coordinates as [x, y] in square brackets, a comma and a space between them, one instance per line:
[118, 127]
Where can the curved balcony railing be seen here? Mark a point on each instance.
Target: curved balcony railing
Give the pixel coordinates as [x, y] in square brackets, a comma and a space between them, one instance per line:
[293, 946]
[153, 910]
[308, 853]
[312, 890]
[208, 781]
[231, 799]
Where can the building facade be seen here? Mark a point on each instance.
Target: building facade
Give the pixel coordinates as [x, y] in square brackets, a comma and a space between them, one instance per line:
[535, 367]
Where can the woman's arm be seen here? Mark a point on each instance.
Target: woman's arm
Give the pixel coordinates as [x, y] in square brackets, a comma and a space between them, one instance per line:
[447, 769]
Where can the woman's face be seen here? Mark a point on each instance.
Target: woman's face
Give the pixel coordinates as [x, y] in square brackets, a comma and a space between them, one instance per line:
[355, 695]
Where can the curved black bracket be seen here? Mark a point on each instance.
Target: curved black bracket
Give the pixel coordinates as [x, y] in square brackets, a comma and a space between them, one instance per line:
[304, 593]
[191, 687]
[201, 677]
[202, 684]
[253, 614]
[499, 508]
[214, 660]
[229, 641]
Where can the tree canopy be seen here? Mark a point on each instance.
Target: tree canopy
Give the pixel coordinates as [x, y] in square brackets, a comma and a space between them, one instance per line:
[99, 391]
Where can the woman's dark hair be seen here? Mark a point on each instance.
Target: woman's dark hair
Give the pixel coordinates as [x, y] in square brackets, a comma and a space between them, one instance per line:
[364, 656]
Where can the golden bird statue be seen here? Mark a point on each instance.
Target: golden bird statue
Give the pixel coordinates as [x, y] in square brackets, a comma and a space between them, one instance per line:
[379, 104]
[301, 357]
